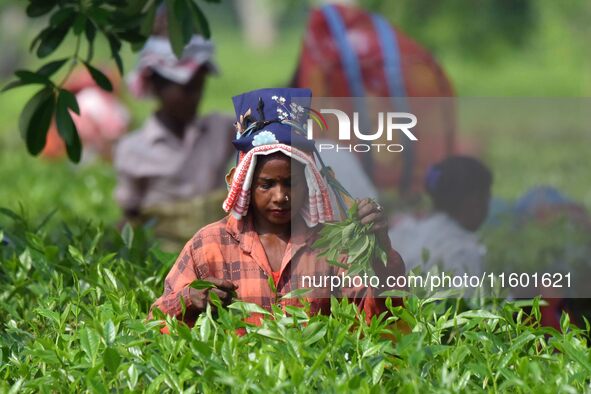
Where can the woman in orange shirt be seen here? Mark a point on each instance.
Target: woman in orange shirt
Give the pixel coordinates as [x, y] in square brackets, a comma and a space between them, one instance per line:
[277, 201]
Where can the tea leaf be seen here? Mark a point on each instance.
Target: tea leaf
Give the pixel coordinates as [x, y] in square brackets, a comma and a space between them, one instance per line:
[89, 342]
[377, 372]
[133, 377]
[51, 315]
[110, 332]
[201, 284]
[314, 332]
[127, 235]
[111, 359]
[297, 293]
[248, 307]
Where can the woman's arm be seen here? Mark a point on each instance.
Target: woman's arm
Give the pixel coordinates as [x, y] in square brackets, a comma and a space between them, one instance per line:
[177, 290]
[176, 287]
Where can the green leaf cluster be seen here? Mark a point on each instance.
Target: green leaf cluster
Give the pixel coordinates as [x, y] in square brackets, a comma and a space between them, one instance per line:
[353, 240]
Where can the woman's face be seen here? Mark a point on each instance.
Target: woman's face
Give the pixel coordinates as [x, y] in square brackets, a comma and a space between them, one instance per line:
[278, 193]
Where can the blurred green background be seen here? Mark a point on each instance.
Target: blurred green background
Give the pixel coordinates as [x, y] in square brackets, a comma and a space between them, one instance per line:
[504, 48]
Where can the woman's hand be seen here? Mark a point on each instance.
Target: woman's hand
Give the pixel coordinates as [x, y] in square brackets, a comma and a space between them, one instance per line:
[224, 289]
[369, 211]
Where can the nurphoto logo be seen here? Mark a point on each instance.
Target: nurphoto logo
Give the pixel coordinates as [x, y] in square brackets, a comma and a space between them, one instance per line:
[395, 122]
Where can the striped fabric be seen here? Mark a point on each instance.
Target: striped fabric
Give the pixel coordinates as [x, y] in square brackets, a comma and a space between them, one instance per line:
[317, 209]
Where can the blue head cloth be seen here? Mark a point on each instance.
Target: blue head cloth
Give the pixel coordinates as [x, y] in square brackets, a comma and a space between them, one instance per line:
[273, 115]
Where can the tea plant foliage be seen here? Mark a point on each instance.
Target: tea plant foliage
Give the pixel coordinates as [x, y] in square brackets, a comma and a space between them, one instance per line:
[73, 307]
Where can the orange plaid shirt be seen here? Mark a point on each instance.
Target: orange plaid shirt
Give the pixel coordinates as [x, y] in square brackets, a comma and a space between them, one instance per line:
[230, 249]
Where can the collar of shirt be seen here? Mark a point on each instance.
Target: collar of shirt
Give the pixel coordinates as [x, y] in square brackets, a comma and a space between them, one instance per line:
[448, 225]
[244, 232]
[157, 132]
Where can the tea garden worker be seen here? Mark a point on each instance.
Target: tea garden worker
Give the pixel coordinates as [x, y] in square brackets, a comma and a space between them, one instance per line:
[349, 52]
[169, 168]
[460, 190]
[277, 201]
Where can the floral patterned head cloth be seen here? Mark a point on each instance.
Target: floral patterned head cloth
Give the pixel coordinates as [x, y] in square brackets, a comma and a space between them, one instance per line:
[271, 121]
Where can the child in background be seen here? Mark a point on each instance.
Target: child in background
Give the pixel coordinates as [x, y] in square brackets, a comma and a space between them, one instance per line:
[277, 202]
[460, 189]
[169, 168]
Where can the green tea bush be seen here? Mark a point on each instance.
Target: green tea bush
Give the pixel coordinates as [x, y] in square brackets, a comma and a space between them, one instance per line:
[73, 306]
